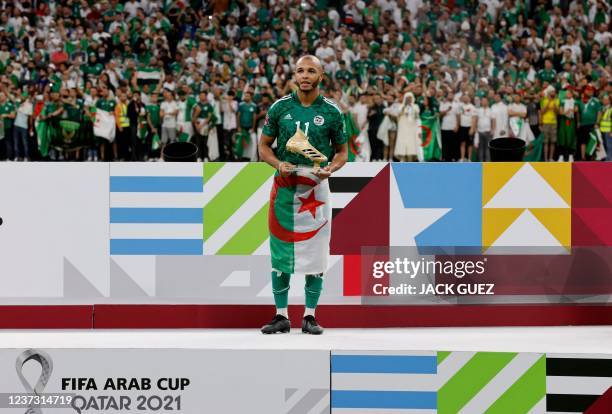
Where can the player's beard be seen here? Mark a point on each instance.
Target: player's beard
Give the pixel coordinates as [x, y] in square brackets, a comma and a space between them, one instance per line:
[311, 87]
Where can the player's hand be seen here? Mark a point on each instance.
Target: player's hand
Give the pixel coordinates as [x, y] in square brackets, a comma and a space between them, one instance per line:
[324, 172]
[285, 169]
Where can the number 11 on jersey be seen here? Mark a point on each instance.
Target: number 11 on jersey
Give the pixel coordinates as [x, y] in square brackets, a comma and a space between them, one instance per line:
[297, 123]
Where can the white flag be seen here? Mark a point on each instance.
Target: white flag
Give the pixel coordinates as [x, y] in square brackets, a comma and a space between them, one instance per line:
[105, 125]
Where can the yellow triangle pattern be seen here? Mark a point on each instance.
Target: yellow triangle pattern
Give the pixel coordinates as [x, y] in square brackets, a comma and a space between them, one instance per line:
[495, 175]
[558, 176]
[495, 221]
[557, 221]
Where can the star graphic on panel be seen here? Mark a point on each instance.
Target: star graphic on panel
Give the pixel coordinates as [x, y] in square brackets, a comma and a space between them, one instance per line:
[310, 203]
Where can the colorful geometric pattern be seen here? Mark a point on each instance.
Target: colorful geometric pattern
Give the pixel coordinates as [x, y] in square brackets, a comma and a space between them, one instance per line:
[592, 204]
[442, 382]
[364, 219]
[491, 382]
[580, 383]
[435, 206]
[526, 205]
[385, 380]
[236, 200]
[155, 209]
[160, 212]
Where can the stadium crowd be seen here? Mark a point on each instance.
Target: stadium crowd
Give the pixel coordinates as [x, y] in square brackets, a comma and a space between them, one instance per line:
[118, 80]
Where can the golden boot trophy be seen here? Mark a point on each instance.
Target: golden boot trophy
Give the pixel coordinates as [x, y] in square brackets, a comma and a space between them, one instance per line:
[298, 144]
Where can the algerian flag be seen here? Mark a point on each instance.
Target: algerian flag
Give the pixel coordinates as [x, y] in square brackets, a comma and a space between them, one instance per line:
[155, 142]
[431, 144]
[242, 141]
[104, 125]
[148, 75]
[299, 219]
[142, 129]
[43, 135]
[521, 129]
[594, 139]
[185, 131]
[533, 150]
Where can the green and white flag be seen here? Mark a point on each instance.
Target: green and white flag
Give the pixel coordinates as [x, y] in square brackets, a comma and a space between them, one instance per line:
[431, 140]
[148, 75]
[594, 139]
[155, 142]
[299, 219]
[104, 125]
[533, 150]
[43, 135]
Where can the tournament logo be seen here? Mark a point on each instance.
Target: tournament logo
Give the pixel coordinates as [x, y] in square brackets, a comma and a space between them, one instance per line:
[46, 365]
[319, 120]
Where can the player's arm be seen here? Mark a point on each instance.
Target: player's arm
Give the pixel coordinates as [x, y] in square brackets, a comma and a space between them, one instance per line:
[267, 155]
[264, 147]
[339, 140]
[340, 157]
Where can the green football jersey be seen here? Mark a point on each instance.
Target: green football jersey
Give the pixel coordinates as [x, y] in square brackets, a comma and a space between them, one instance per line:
[153, 111]
[322, 123]
[107, 105]
[246, 114]
[6, 108]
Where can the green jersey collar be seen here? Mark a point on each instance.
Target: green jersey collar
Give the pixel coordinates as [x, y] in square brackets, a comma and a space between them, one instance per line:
[317, 101]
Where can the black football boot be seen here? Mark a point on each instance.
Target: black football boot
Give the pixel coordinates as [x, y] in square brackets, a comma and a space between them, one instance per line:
[278, 324]
[310, 326]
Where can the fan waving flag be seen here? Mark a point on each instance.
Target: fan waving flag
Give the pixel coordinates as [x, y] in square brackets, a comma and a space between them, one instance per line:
[431, 140]
[299, 219]
[148, 75]
[104, 125]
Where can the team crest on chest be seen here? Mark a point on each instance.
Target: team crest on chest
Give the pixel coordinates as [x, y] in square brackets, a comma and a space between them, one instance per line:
[319, 120]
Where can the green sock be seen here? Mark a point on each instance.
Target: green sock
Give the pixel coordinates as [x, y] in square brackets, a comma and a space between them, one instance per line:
[280, 288]
[313, 288]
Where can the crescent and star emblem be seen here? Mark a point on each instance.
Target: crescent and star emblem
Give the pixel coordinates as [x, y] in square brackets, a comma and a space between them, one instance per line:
[309, 203]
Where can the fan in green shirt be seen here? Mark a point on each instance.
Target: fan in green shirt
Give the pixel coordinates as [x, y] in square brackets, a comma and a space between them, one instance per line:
[548, 74]
[93, 67]
[246, 112]
[589, 110]
[106, 104]
[7, 111]
[343, 74]
[153, 113]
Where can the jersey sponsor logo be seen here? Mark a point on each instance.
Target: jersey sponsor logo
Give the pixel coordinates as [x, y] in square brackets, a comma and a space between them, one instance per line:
[319, 120]
[288, 116]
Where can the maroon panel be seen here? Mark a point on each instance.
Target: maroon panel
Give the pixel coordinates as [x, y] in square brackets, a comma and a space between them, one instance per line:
[350, 316]
[365, 220]
[591, 185]
[603, 405]
[46, 317]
